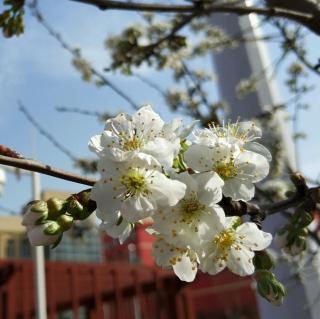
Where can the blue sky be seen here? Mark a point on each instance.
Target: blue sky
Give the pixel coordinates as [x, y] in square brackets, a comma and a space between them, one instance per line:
[37, 71]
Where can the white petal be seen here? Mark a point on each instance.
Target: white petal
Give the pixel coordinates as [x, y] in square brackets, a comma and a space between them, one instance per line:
[136, 208]
[30, 217]
[238, 189]
[37, 237]
[121, 231]
[187, 129]
[252, 166]
[95, 144]
[120, 123]
[163, 150]
[189, 180]
[258, 148]
[185, 269]
[211, 185]
[250, 128]
[254, 238]
[165, 191]
[109, 217]
[240, 261]
[199, 157]
[172, 129]
[146, 122]
[104, 195]
[211, 263]
[210, 224]
[161, 252]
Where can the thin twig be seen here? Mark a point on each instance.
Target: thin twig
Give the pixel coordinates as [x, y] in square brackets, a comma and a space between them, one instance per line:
[35, 166]
[78, 111]
[99, 75]
[46, 134]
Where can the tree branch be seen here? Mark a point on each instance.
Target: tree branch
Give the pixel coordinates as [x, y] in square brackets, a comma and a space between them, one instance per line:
[310, 20]
[34, 166]
[76, 54]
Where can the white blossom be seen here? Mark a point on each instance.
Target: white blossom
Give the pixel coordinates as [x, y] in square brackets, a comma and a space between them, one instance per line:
[45, 234]
[183, 261]
[34, 212]
[185, 223]
[125, 136]
[239, 169]
[115, 225]
[232, 247]
[243, 134]
[136, 188]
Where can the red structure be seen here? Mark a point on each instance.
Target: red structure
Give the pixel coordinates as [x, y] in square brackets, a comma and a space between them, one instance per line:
[115, 291]
[209, 297]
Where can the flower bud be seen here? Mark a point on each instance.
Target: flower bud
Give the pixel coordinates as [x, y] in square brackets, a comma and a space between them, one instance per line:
[74, 208]
[35, 212]
[291, 240]
[269, 287]
[301, 218]
[45, 234]
[77, 210]
[262, 260]
[56, 207]
[297, 247]
[65, 222]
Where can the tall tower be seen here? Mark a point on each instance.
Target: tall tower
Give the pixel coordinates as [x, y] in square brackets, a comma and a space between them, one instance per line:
[233, 65]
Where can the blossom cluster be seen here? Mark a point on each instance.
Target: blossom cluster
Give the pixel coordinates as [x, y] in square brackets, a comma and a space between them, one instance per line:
[152, 170]
[46, 221]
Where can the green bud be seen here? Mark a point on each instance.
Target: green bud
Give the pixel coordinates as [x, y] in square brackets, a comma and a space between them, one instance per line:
[236, 223]
[56, 207]
[262, 260]
[52, 228]
[75, 209]
[305, 220]
[39, 206]
[80, 206]
[269, 287]
[65, 222]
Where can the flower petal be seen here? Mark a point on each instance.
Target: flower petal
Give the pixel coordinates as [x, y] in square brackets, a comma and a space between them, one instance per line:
[120, 230]
[254, 238]
[163, 150]
[138, 207]
[165, 191]
[199, 157]
[258, 148]
[211, 263]
[210, 186]
[240, 261]
[238, 189]
[252, 166]
[185, 269]
[146, 122]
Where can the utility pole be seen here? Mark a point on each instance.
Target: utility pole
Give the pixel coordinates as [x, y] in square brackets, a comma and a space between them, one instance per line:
[231, 66]
[39, 262]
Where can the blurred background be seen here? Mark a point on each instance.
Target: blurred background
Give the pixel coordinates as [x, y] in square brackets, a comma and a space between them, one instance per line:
[52, 102]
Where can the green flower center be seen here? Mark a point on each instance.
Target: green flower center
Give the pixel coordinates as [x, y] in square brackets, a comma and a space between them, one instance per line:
[134, 182]
[226, 170]
[225, 239]
[131, 144]
[191, 209]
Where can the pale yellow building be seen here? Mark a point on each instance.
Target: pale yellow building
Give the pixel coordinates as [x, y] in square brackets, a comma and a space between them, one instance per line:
[13, 239]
